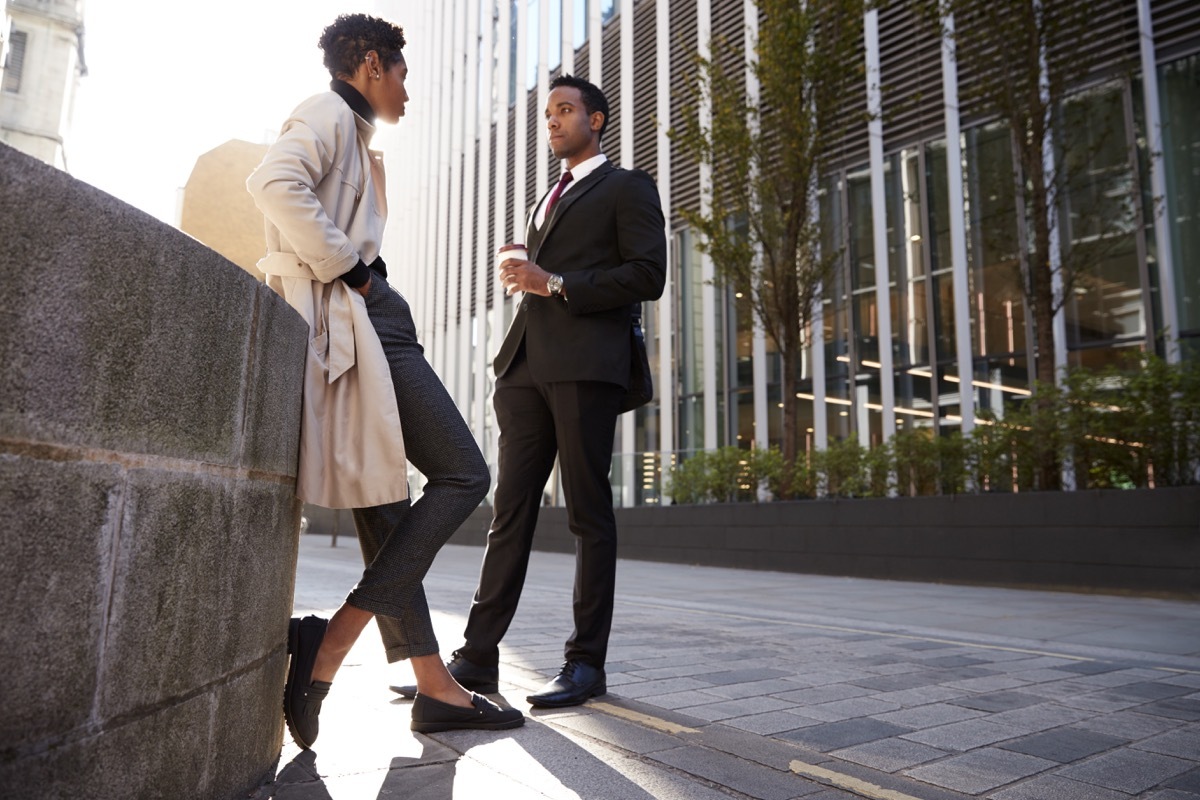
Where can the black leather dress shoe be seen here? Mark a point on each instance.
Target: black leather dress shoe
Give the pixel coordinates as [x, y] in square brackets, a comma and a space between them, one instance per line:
[470, 676]
[576, 682]
[302, 696]
[431, 716]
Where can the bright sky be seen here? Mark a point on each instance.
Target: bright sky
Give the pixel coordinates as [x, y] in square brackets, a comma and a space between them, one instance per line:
[168, 81]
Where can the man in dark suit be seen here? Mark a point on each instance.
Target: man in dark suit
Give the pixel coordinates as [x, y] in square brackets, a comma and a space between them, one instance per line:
[597, 248]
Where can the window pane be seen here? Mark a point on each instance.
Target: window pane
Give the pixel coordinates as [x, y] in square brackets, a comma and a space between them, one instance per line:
[513, 78]
[15, 65]
[1179, 86]
[906, 259]
[555, 32]
[690, 342]
[579, 35]
[1100, 223]
[993, 250]
[532, 42]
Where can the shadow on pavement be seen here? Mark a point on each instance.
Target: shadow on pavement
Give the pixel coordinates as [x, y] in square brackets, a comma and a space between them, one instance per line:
[534, 761]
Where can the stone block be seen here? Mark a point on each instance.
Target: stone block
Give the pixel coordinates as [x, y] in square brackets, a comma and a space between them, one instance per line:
[202, 568]
[247, 720]
[274, 383]
[161, 755]
[135, 337]
[59, 524]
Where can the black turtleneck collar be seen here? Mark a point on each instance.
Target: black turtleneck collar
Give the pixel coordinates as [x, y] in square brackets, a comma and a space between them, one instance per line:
[358, 104]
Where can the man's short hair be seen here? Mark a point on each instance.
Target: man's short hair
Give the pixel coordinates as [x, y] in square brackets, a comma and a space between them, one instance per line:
[593, 99]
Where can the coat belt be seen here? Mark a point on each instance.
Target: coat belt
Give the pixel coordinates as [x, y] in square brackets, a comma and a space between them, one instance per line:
[333, 323]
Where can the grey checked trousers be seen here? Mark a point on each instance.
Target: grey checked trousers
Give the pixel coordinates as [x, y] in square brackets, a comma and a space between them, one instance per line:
[399, 541]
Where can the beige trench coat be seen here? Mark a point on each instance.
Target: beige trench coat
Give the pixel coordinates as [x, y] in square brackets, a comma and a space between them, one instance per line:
[321, 190]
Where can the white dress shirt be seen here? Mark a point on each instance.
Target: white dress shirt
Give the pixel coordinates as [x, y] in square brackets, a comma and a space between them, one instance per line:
[581, 171]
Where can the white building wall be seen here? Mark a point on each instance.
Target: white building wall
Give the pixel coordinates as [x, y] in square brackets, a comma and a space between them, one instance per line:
[36, 118]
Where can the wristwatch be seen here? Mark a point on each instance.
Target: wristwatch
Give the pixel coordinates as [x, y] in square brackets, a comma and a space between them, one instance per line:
[554, 285]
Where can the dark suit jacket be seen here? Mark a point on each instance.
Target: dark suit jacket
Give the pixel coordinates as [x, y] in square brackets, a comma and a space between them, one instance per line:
[606, 238]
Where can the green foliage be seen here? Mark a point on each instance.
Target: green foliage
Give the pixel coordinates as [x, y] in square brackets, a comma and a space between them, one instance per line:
[723, 475]
[766, 154]
[768, 468]
[686, 481]
[1136, 424]
[843, 466]
[917, 461]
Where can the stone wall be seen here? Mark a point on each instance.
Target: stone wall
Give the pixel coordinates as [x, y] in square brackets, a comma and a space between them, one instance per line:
[149, 415]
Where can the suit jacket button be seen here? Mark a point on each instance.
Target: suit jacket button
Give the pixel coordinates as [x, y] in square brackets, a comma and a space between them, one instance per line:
[525, 306]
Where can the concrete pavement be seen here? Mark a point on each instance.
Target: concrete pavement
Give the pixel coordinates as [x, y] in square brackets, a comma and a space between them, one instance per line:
[732, 683]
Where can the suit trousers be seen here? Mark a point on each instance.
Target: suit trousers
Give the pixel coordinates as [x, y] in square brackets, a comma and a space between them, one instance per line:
[575, 420]
[399, 541]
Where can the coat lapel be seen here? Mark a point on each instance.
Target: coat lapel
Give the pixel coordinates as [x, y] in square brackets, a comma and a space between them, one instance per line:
[565, 203]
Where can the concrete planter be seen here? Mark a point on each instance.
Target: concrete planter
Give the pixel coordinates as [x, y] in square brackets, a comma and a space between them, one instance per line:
[149, 418]
[1142, 542]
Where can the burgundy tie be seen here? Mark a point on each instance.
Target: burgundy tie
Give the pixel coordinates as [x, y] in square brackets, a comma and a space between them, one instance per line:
[558, 190]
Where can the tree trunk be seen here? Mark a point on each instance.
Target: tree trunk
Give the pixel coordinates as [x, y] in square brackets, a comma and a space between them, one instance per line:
[1041, 291]
[791, 408]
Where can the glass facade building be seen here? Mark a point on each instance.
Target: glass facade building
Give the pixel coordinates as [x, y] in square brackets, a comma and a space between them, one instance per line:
[924, 323]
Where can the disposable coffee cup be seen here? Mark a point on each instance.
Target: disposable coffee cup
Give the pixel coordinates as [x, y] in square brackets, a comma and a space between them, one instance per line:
[513, 251]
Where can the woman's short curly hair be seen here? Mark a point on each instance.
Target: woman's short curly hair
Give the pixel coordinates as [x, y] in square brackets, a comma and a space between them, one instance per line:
[351, 36]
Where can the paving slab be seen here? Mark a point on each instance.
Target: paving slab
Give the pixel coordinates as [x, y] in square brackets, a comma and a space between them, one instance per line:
[939, 696]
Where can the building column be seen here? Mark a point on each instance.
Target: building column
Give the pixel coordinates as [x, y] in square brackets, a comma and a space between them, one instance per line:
[958, 232]
[444, 88]
[708, 293]
[887, 378]
[479, 96]
[629, 420]
[501, 231]
[567, 18]
[666, 329]
[540, 160]
[758, 345]
[455, 374]
[1158, 183]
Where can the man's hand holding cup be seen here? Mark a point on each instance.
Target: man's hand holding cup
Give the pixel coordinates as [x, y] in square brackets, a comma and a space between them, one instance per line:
[518, 274]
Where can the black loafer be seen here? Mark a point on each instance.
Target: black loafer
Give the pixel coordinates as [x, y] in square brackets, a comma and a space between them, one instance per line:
[431, 716]
[575, 683]
[470, 676]
[302, 696]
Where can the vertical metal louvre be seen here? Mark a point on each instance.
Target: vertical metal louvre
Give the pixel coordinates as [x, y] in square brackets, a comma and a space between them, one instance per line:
[610, 65]
[493, 223]
[910, 65]
[685, 173]
[645, 144]
[1176, 28]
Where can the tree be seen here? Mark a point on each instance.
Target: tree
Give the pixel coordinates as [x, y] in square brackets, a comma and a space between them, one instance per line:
[766, 154]
[1024, 61]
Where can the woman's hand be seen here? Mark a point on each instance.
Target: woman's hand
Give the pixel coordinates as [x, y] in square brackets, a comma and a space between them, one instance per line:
[366, 287]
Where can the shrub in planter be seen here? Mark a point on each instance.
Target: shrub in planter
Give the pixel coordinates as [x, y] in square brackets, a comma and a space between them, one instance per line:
[768, 470]
[988, 456]
[915, 451]
[688, 480]
[729, 475]
[1093, 432]
[850, 470]
[1160, 410]
[723, 475]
